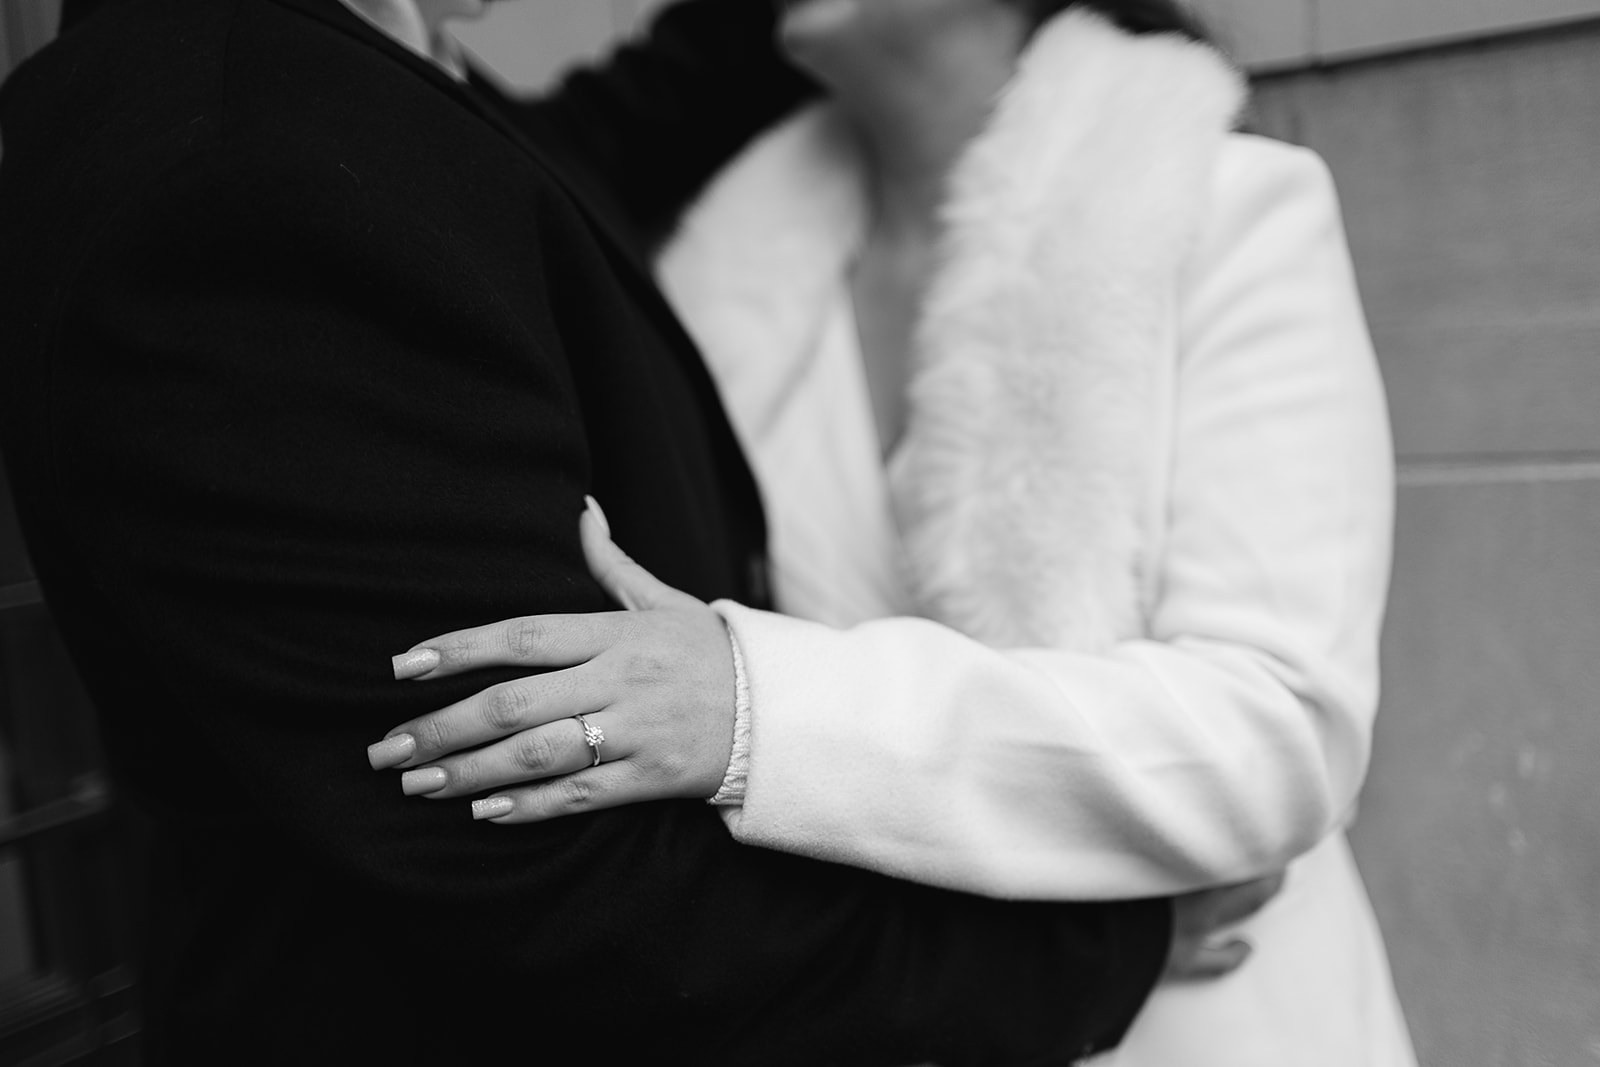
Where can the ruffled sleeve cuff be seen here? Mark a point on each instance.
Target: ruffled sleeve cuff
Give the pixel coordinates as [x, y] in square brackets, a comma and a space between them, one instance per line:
[731, 794]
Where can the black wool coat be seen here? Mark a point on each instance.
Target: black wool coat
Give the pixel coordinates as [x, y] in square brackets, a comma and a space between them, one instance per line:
[310, 353]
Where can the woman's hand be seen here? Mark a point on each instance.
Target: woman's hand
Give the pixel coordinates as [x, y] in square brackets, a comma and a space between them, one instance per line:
[657, 680]
[1200, 948]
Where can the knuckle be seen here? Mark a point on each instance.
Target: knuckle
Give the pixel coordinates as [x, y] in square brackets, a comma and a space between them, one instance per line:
[574, 792]
[663, 764]
[525, 638]
[648, 667]
[458, 653]
[432, 734]
[505, 707]
[465, 775]
[533, 751]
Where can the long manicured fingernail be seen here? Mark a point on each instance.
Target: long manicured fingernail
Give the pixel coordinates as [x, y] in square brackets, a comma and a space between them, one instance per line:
[391, 751]
[492, 807]
[415, 663]
[598, 513]
[423, 781]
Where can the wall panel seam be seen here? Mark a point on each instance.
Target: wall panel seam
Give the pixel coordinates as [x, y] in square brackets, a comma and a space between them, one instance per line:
[1323, 61]
[1509, 471]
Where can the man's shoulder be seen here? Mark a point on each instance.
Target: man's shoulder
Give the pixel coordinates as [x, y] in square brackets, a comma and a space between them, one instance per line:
[154, 77]
[132, 77]
[224, 107]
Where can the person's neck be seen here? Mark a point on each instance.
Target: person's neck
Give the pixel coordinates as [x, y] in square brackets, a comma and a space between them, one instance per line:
[435, 13]
[912, 147]
[419, 25]
[911, 155]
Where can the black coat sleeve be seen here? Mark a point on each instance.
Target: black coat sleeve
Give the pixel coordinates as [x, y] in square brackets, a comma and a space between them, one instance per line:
[648, 126]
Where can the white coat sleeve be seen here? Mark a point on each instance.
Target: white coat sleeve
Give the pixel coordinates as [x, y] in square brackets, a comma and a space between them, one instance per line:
[1234, 735]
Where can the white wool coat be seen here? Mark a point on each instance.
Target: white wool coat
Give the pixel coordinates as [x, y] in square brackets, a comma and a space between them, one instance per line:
[1143, 505]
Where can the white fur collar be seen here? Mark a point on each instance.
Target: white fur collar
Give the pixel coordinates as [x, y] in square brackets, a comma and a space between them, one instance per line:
[1046, 331]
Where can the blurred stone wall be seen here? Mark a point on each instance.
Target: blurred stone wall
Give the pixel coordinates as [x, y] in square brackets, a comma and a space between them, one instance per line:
[1468, 175]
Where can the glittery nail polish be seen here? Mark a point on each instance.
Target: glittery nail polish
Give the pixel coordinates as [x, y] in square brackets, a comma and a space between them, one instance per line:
[423, 781]
[391, 751]
[492, 807]
[414, 664]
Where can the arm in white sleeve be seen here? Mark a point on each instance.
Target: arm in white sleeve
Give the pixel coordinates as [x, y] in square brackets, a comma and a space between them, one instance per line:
[1229, 739]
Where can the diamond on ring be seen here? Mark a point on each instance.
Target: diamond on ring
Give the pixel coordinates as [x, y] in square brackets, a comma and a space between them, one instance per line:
[593, 736]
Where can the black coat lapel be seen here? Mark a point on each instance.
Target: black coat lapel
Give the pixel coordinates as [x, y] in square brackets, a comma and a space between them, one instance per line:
[627, 256]
[484, 100]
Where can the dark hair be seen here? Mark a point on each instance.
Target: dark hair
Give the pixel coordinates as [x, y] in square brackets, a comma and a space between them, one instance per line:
[1135, 16]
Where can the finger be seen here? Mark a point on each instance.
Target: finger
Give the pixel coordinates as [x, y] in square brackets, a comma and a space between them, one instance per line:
[609, 785]
[529, 641]
[1242, 901]
[494, 713]
[549, 751]
[1213, 961]
[627, 583]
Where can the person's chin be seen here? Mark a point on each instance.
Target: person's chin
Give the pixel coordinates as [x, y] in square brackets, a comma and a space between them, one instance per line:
[804, 24]
[818, 13]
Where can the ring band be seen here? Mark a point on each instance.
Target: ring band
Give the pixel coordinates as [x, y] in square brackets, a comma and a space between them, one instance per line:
[593, 736]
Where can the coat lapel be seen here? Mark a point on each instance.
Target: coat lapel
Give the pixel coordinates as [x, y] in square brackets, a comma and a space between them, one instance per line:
[479, 96]
[754, 264]
[489, 104]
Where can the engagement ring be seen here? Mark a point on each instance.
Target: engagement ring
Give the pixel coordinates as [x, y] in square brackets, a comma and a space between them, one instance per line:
[593, 736]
